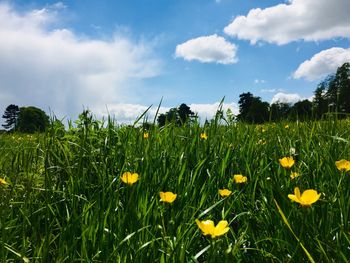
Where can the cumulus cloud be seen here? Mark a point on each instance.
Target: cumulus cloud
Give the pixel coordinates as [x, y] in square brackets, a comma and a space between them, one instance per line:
[128, 113]
[322, 64]
[208, 49]
[44, 65]
[286, 98]
[308, 20]
[208, 111]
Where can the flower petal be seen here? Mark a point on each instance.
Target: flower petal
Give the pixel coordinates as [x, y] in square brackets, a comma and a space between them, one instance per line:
[309, 197]
[297, 192]
[294, 198]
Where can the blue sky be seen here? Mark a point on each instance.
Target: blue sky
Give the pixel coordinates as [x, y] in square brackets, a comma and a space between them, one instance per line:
[122, 56]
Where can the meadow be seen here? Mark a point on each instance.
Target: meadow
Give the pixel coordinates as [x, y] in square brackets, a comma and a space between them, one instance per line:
[63, 199]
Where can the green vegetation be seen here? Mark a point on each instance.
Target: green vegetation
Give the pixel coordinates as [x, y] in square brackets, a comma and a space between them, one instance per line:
[25, 119]
[64, 200]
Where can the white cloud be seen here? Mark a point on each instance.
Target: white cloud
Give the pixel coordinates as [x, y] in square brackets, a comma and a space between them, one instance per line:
[208, 49]
[259, 81]
[322, 64]
[128, 113]
[208, 111]
[286, 98]
[43, 65]
[309, 20]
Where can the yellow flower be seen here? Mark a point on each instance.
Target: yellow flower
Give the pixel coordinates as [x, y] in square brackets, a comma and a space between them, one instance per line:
[129, 178]
[287, 162]
[307, 198]
[3, 182]
[167, 197]
[294, 175]
[203, 136]
[208, 227]
[286, 126]
[224, 192]
[145, 135]
[240, 179]
[343, 165]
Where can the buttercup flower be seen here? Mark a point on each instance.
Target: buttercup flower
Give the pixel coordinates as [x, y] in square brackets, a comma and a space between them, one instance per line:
[294, 175]
[203, 136]
[287, 162]
[240, 179]
[208, 227]
[129, 178]
[286, 126]
[167, 197]
[3, 182]
[145, 135]
[307, 198]
[224, 192]
[343, 165]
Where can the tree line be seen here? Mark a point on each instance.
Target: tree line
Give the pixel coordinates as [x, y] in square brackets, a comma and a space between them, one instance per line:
[332, 95]
[25, 119]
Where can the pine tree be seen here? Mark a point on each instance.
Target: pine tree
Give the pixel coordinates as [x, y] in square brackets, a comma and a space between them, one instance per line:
[11, 115]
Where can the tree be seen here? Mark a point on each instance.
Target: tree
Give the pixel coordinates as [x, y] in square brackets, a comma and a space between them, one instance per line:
[279, 111]
[184, 113]
[320, 103]
[252, 109]
[245, 101]
[11, 117]
[342, 83]
[179, 116]
[302, 110]
[161, 120]
[32, 119]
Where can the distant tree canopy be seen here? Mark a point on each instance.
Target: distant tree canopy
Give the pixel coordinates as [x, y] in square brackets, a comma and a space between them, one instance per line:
[252, 109]
[11, 115]
[32, 119]
[180, 115]
[331, 95]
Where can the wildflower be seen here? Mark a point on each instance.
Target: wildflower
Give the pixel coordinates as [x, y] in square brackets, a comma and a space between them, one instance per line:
[287, 162]
[129, 178]
[286, 126]
[208, 227]
[224, 192]
[343, 165]
[167, 197]
[240, 179]
[262, 142]
[307, 198]
[294, 175]
[203, 136]
[292, 151]
[145, 135]
[3, 182]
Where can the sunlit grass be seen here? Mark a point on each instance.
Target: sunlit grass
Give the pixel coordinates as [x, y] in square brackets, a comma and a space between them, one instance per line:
[65, 199]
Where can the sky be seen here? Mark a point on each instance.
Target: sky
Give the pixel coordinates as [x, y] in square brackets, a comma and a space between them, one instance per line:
[120, 57]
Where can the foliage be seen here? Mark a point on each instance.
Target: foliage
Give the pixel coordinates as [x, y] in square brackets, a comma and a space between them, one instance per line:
[180, 116]
[11, 117]
[32, 119]
[65, 201]
[252, 109]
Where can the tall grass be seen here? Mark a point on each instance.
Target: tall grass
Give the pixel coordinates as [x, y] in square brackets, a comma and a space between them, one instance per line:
[65, 201]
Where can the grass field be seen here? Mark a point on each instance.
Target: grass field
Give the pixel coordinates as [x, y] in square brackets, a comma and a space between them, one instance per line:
[64, 200]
